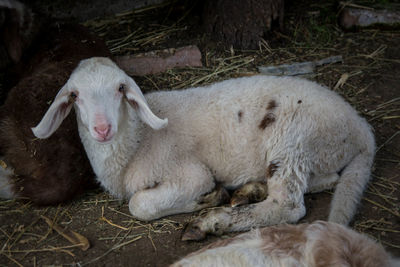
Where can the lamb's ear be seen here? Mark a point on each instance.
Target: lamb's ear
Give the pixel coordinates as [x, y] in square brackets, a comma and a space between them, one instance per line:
[137, 100]
[54, 116]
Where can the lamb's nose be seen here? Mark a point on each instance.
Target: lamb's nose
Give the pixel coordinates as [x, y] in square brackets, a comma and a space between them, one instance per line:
[103, 129]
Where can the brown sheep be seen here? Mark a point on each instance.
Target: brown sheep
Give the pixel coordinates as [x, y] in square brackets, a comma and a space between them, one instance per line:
[56, 169]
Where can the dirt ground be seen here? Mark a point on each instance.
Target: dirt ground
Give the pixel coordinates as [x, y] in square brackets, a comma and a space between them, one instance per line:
[371, 63]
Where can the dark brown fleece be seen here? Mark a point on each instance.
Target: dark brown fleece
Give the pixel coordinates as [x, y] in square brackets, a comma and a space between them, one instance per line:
[56, 169]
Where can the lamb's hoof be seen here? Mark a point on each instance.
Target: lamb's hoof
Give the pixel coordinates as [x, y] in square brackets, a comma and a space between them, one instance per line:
[217, 197]
[238, 201]
[249, 193]
[224, 196]
[193, 233]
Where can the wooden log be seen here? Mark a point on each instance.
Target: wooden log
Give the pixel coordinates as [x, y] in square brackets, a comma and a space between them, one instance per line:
[360, 17]
[241, 23]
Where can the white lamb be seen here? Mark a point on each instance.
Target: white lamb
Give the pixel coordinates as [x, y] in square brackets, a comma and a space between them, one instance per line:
[292, 133]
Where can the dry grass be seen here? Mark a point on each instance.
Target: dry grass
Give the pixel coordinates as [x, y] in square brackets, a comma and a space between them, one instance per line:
[24, 238]
[20, 241]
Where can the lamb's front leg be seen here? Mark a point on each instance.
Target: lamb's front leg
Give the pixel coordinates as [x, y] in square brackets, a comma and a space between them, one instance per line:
[284, 204]
[189, 188]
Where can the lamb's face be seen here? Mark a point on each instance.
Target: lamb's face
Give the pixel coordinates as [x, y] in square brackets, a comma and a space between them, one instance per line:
[97, 88]
[98, 93]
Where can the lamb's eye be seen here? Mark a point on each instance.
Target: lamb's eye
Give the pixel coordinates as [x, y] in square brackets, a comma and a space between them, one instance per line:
[121, 88]
[73, 96]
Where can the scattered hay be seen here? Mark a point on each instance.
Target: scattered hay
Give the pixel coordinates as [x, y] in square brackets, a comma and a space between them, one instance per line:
[73, 237]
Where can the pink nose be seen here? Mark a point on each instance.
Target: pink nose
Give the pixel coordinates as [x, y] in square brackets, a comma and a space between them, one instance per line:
[103, 130]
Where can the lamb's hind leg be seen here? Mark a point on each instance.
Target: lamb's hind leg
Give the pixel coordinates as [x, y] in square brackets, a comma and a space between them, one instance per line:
[193, 191]
[321, 183]
[284, 204]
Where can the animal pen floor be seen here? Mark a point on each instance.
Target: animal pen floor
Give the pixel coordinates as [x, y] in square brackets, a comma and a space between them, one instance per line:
[369, 78]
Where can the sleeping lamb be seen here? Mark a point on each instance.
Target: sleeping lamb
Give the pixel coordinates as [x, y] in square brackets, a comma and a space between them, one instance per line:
[294, 134]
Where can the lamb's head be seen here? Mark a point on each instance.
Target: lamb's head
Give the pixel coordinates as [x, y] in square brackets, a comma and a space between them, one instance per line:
[97, 88]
